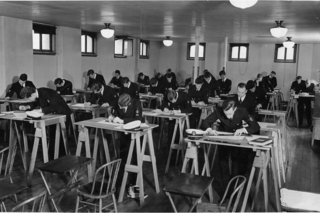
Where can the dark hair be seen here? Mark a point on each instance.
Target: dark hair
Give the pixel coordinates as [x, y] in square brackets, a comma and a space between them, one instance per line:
[158, 74]
[171, 95]
[58, 81]
[273, 72]
[26, 92]
[96, 86]
[222, 72]
[140, 74]
[125, 80]
[168, 70]
[169, 75]
[153, 81]
[250, 84]
[242, 85]
[188, 81]
[199, 80]
[117, 71]
[124, 100]
[259, 75]
[23, 77]
[204, 71]
[298, 77]
[228, 103]
[90, 72]
[207, 74]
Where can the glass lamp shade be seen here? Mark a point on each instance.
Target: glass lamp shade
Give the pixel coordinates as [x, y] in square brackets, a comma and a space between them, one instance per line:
[243, 4]
[167, 42]
[288, 43]
[107, 33]
[279, 30]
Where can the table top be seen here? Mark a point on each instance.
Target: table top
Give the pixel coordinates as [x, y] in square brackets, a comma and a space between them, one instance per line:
[67, 95]
[101, 124]
[202, 106]
[272, 112]
[15, 100]
[46, 117]
[302, 96]
[144, 95]
[93, 107]
[215, 100]
[268, 126]
[114, 86]
[149, 112]
[81, 91]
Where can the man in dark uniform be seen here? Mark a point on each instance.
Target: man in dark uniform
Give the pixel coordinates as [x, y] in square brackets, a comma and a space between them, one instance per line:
[231, 120]
[270, 82]
[298, 85]
[176, 102]
[170, 82]
[142, 81]
[156, 87]
[245, 101]
[159, 77]
[117, 79]
[171, 74]
[224, 83]
[130, 88]
[18, 86]
[103, 95]
[64, 87]
[93, 77]
[211, 85]
[258, 95]
[198, 95]
[306, 101]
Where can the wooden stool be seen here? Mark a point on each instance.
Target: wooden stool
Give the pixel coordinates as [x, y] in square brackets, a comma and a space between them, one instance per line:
[293, 107]
[193, 186]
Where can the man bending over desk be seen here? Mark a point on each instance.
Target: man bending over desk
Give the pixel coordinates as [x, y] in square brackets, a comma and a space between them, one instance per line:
[231, 120]
[18, 86]
[64, 87]
[103, 95]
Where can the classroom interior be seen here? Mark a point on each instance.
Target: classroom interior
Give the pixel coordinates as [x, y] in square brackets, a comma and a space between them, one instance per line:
[220, 24]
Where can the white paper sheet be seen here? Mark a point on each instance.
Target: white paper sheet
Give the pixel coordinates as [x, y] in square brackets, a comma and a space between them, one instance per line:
[300, 200]
[226, 137]
[109, 123]
[82, 105]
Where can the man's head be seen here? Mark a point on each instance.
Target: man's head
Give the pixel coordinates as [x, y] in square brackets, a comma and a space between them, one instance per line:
[125, 82]
[58, 82]
[117, 73]
[229, 106]
[168, 70]
[23, 78]
[273, 73]
[29, 93]
[259, 77]
[198, 83]
[207, 76]
[90, 73]
[169, 75]
[172, 96]
[141, 75]
[251, 85]
[222, 74]
[124, 100]
[241, 89]
[204, 71]
[153, 82]
[96, 87]
[298, 79]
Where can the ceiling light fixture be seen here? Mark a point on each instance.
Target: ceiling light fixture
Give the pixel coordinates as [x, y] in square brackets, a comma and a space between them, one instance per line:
[288, 43]
[243, 4]
[167, 42]
[107, 32]
[279, 30]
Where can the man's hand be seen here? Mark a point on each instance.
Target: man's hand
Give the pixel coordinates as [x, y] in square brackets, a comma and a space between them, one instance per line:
[7, 98]
[110, 118]
[58, 92]
[176, 111]
[24, 108]
[166, 110]
[193, 103]
[210, 131]
[105, 105]
[86, 104]
[240, 132]
[201, 103]
[88, 88]
[258, 106]
[118, 120]
[149, 93]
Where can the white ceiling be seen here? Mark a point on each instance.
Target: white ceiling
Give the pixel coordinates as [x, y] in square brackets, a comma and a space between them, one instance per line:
[153, 20]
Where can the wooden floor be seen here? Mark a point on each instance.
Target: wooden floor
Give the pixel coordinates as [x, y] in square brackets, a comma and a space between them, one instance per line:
[303, 173]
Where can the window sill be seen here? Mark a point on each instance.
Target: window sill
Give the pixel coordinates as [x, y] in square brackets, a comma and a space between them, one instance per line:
[89, 55]
[43, 53]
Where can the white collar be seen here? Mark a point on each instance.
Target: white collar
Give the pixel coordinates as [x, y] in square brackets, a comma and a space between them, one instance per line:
[37, 94]
[102, 90]
[243, 98]
[129, 83]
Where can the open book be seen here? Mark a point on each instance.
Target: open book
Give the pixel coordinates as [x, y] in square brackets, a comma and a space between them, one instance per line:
[260, 141]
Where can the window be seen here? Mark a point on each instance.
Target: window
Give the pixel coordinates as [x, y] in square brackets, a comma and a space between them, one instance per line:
[238, 52]
[123, 47]
[144, 49]
[43, 37]
[192, 51]
[285, 55]
[88, 43]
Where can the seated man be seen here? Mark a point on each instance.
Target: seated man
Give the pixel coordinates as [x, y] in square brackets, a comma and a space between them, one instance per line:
[129, 88]
[159, 77]
[211, 84]
[270, 82]
[171, 74]
[198, 95]
[93, 77]
[18, 86]
[306, 101]
[188, 84]
[170, 82]
[245, 101]
[143, 80]
[117, 79]
[64, 87]
[103, 95]
[224, 83]
[298, 85]
[231, 120]
[156, 88]
[258, 95]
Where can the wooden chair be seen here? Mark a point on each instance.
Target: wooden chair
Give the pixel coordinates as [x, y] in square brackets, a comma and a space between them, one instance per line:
[189, 185]
[103, 186]
[37, 203]
[238, 183]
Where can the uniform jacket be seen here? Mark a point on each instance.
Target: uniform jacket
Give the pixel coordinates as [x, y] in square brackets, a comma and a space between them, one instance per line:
[158, 89]
[172, 84]
[224, 86]
[66, 89]
[197, 96]
[248, 103]
[16, 88]
[133, 113]
[183, 103]
[298, 87]
[99, 78]
[309, 89]
[51, 102]
[212, 87]
[145, 80]
[109, 96]
[116, 81]
[133, 90]
[231, 125]
[259, 97]
[269, 83]
[173, 76]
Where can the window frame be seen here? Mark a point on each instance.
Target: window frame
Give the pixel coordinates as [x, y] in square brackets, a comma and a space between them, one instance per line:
[147, 43]
[124, 38]
[277, 46]
[231, 45]
[47, 30]
[94, 43]
[190, 44]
